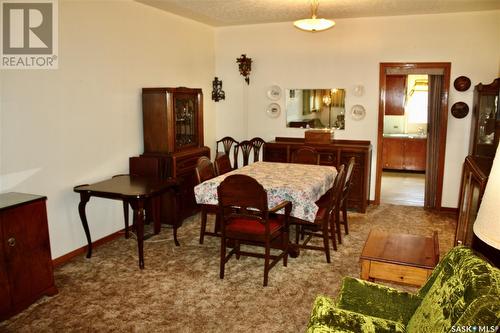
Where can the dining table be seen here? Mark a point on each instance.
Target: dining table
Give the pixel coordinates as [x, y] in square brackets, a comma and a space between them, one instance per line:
[301, 184]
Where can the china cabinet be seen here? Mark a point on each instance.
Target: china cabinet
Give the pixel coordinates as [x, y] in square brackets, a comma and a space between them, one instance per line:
[26, 271]
[474, 178]
[173, 142]
[485, 129]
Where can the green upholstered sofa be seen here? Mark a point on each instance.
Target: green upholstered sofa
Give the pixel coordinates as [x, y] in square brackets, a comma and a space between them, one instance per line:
[462, 291]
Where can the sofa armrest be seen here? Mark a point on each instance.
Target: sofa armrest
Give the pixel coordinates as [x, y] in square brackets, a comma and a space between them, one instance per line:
[325, 317]
[377, 300]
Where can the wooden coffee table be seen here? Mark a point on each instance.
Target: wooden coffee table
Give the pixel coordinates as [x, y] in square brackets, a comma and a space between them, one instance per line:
[400, 258]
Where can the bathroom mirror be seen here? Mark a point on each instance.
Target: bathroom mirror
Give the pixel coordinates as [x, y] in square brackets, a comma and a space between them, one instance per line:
[315, 108]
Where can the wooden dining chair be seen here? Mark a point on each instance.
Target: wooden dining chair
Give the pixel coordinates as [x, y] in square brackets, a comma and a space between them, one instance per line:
[322, 226]
[345, 196]
[222, 164]
[227, 143]
[204, 171]
[246, 219]
[305, 155]
[246, 147]
[257, 144]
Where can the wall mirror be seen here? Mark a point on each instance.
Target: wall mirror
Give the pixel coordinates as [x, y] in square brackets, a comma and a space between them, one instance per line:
[315, 108]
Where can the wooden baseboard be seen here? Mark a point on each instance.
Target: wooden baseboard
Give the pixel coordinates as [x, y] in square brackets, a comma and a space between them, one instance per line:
[83, 250]
[449, 210]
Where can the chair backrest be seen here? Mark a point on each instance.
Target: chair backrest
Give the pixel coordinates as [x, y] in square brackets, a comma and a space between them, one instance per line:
[348, 175]
[337, 187]
[244, 192]
[227, 142]
[305, 155]
[222, 164]
[246, 147]
[204, 169]
[463, 290]
[257, 145]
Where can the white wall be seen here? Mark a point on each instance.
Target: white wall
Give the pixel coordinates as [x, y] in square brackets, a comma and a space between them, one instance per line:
[80, 123]
[347, 55]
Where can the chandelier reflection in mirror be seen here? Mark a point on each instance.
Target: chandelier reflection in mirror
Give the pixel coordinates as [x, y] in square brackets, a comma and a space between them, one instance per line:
[245, 66]
[217, 92]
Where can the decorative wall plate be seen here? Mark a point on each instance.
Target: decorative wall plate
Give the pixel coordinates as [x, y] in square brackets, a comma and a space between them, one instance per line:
[273, 110]
[358, 112]
[461, 83]
[358, 90]
[459, 110]
[274, 93]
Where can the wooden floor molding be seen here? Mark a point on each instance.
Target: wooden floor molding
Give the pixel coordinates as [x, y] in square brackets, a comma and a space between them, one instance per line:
[82, 250]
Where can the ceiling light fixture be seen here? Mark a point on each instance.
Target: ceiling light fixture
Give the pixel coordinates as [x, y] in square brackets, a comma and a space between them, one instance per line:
[314, 24]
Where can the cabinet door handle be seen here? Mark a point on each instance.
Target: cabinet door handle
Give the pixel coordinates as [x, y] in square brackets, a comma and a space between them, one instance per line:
[11, 241]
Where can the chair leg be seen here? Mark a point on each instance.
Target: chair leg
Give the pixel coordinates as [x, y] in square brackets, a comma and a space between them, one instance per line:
[203, 224]
[284, 242]
[337, 224]
[266, 262]
[222, 256]
[237, 249]
[297, 232]
[332, 233]
[325, 241]
[344, 218]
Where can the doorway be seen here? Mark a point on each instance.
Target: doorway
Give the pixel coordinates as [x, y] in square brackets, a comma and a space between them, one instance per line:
[413, 110]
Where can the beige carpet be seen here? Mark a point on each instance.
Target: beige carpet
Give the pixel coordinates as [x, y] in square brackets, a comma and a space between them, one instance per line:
[180, 290]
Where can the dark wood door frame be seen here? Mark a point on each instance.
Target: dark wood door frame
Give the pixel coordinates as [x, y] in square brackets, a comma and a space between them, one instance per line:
[418, 68]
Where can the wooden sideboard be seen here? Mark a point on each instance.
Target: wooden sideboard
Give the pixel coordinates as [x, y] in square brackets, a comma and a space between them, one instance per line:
[335, 153]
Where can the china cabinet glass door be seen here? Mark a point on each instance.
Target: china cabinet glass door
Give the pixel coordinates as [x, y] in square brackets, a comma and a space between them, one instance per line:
[185, 108]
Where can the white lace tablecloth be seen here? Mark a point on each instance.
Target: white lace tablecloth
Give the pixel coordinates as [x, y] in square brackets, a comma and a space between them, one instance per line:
[300, 184]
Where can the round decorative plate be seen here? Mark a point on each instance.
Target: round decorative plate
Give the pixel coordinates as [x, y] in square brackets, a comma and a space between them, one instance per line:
[273, 110]
[358, 112]
[358, 90]
[459, 110]
[274, 93]
[461, 83]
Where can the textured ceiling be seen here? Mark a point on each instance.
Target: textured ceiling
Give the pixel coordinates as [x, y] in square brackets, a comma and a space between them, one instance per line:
[238, 12]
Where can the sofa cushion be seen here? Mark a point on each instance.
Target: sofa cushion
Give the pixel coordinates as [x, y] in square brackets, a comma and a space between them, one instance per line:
[463, 278]
[325, 315]
[377, 300]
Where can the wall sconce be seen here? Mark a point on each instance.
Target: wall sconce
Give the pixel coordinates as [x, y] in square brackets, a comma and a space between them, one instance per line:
[217, 92]
[245, 66]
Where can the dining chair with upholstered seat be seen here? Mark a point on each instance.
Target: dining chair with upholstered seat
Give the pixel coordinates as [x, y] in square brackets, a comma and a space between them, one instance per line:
[344, 197]
[246, 147]
[205, 171]
[323, 225]
[222, 164]
[246, 219]
[257, 144]
[305, 155]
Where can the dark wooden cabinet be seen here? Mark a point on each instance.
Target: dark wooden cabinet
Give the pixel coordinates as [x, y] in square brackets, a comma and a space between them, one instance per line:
[335, 153]
[395, 93]
[474, 178]
[173, 142]
[485, 128]
[26, 271]
[404, 153]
